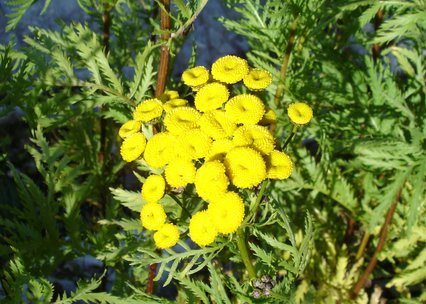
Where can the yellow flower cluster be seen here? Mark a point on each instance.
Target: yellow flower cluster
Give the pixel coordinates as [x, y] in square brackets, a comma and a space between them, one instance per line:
[222, 141]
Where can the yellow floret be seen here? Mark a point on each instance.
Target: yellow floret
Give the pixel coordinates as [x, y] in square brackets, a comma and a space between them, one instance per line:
[254, 136]
[278, 165]
[269, 118]
[195, 76]
[201, 228]
[167, 236]
[230, 69]
[153, 188]
[219, 148]
[257, 79]
[246, 109]
[159, 149]
[132, 147]
[174, 103]
[193, 144]
[211, 97]
[153, 216]
[148, 110]
[245, 167]
[227, 212]
[300, 113]
[182, 119]
[211, 180]
[180, 172]
[129, 128]
[217, 124]
[168, 95]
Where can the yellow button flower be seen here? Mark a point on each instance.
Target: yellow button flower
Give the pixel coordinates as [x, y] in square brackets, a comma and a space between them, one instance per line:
[180, 172]
[132, 147]
[153, 188]
[129, 128]
[230, 69]
[300, 113]
[168, 95]
[269, 118]
[193, 144]
[148, 110]
[217, 124]
[257, 79]
[174, 103]
[167, 236]
[278, 165]
[202, 231]
[211, 97]
[153, 216]
[254, 136]
[246, 109]
[245, 167]
[182, 119]
[159, 150]
[195, 76]
[211, 180]
[227, 212]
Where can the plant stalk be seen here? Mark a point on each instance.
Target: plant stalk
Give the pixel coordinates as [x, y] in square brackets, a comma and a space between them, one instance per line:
[245, 253]
[363, 245]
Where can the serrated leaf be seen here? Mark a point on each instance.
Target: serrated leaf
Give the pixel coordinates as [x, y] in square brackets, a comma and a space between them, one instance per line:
[130, 199]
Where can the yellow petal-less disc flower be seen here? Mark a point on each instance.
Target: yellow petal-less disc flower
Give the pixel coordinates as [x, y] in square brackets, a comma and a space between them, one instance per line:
[227, 212]
[182, 119]
[269, 118]
[196, 76]
[153, 216]
[254, 136]
[300, 113]
[257, 79]
[132, 147]
[193, 144]
[129, 128]
[180, 172]
[159, 149]
[246, 109]
[211, 180]
[174, 103]
[217, 124]
[153, 188]
[148, 110]
[211, 97]
[201, 228]
[245, 167]
[278, 165]
[167, 236]
[219, 148]
[168, 95]
[230, 69]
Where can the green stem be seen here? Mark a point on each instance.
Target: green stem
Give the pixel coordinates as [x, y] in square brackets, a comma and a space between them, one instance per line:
[180, 204]
[361, 248]
[244, 252]
[252, 212]
[290, 137]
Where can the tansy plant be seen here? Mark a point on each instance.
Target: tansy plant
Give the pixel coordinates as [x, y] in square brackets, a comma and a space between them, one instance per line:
[214, 143]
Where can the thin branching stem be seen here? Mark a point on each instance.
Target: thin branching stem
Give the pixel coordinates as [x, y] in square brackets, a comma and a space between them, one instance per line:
[290, 137]
[163, 67]
[363, 245]
[244, 252]
[279, 94]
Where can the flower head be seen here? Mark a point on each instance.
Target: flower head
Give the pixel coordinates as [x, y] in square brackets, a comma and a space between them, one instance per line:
[269, 118]
[278, 165]
[211, 180]
[230, 69]
[217, 124]
[245, 167]
[132, 147]
[159, 149]
[174, 103]
[211, 96]
[153, 188]
[257, 79]
[168, 95]
[180, 172]
[254, 136]
[246, 109]
[129, 128]
[148, 110]
[219, 148]
[193, 144]
[300, 113]
[181, 119]
[227, 212]
[167, 236]
[195, 76]
[153, 216]
[201, 228]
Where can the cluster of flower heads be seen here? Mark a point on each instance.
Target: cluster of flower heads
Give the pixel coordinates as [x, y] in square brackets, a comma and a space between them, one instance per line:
[221, 140]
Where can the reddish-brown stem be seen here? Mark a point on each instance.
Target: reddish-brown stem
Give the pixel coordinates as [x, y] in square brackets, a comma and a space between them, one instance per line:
[378, 19]
[383, 233]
